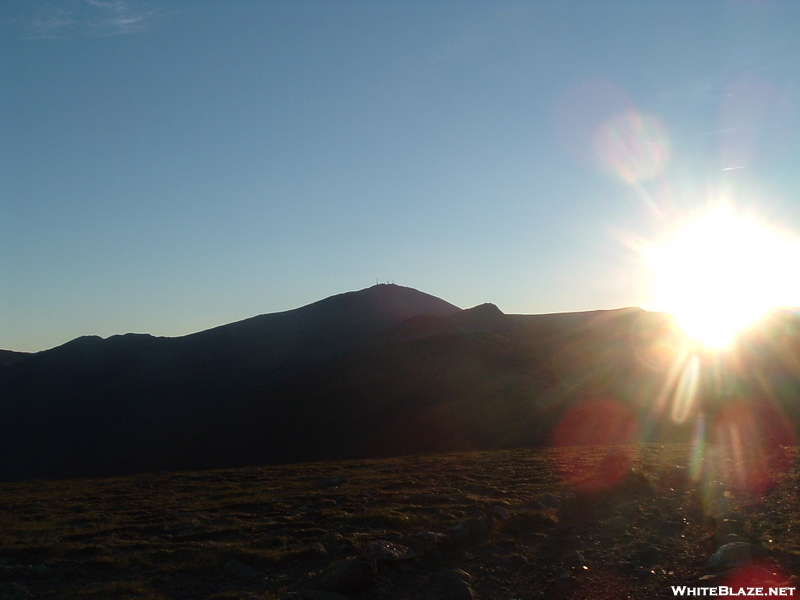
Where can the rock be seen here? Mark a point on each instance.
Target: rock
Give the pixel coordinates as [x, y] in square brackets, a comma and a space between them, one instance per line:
[728, 539]
[564, 586]
[574, 560]
[319, 548]
[676, 478]
[239, 569]
[318, 595]
[472, 530]
[26, 572]
[388, 551]
[42, 572]
[483, 490]
[727, 526]
[550, 501]
[15, 591]
[527, 522]
[532, 505]
[427, 540]
[669, 526]
[733, 516]
[646, 555]
[450, 585]
[499, 512]
[573, 542]
[719, 506]
[779, 459]
[567, 498]
[460, 532]
[735, 554]
[330, 482]
[478, 529]
[631, 509]
[614, 465]
[514, 562]
[635, 483]
[617, 524]
[345, 546]
[426, 498]
[349, 576]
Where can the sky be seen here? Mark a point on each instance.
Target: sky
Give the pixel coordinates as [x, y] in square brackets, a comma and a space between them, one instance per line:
[170, 166]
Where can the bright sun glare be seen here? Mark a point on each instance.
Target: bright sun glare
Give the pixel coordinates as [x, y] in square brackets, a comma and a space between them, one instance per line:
[721, 272]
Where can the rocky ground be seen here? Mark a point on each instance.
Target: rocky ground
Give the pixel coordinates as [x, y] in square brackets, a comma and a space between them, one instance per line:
[581, 522]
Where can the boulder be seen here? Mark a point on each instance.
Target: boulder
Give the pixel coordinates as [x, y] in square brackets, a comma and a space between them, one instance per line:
[728, 539]
[330, 482]
[735, 554]
[550, 501]
[239, 569]
[635, 483]
[15, 591]
[450, 585]
[563, 587]
[646, 555]
[426, 540]
[388, 551]
[617, 524]
[318, 595]
[718, 507]
[574, 560]
[630, 510]
[477, 489]
[351, 576]
[471, 530]
[499, 513]
[670, 526]
[528, 522]
[728, 526]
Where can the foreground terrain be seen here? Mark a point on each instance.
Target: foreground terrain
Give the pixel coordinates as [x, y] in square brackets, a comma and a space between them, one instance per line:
[578, 522]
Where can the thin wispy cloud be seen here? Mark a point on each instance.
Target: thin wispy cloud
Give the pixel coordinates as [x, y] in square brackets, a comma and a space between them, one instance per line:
[88, 17]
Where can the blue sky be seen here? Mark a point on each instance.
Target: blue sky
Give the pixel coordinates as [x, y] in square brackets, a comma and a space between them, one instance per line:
[166, 167]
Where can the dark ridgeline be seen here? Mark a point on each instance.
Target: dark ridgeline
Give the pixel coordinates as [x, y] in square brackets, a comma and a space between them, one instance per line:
[383, 371]
[7, 357]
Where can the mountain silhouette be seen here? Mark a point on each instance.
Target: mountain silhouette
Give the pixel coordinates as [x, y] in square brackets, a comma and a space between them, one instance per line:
[383, 371]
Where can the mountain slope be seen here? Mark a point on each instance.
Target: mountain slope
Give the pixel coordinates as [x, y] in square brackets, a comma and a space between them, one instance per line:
[380, 372]
[122, 404]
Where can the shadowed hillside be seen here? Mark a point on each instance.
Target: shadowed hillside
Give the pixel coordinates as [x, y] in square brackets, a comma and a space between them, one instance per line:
[381, 372]
[7, 357]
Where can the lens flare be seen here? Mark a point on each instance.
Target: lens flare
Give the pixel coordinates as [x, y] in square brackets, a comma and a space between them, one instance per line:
[749, 440]
[596, 422]
[632, 145]
[686, 391]
[721, 272]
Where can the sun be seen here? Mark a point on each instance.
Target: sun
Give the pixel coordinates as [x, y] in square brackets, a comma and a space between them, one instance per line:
[721, 272]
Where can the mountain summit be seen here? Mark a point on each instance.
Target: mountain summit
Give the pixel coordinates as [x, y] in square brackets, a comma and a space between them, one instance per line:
[384, 371]
[137, 402]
